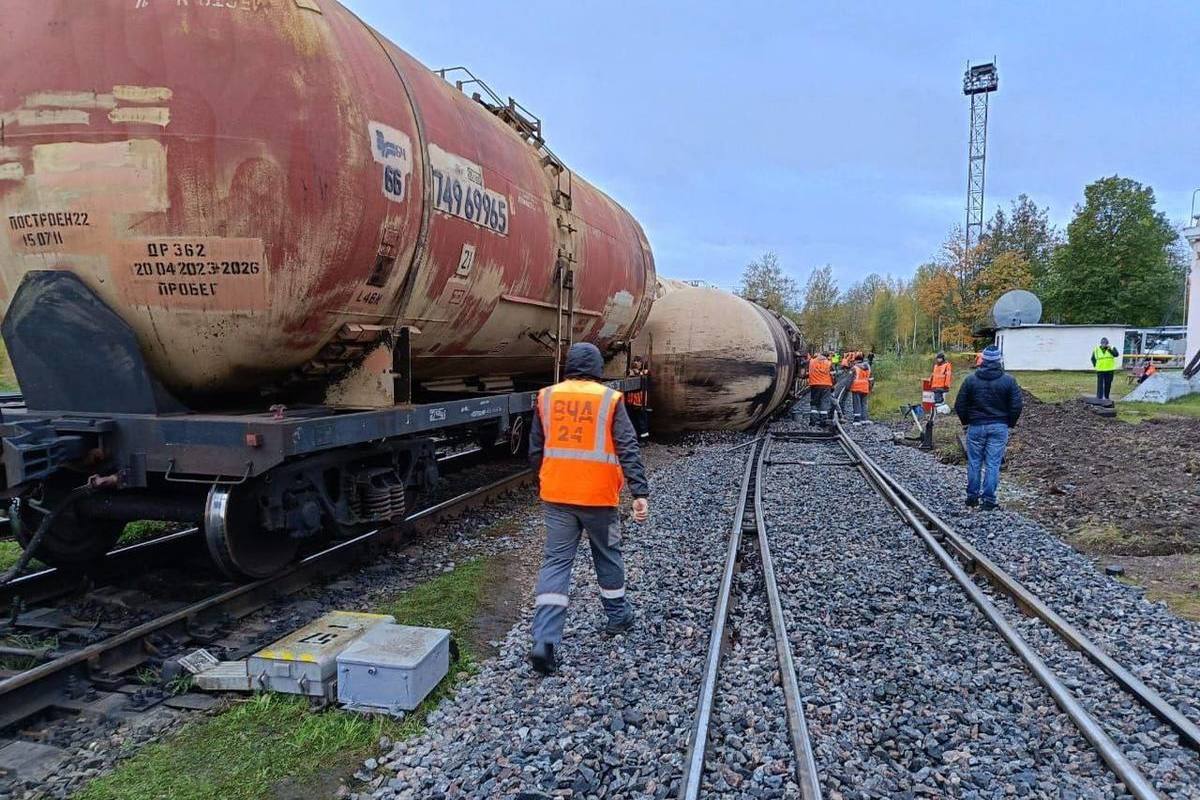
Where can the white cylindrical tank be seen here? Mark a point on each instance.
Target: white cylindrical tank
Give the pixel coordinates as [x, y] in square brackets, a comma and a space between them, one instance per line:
[717, 361]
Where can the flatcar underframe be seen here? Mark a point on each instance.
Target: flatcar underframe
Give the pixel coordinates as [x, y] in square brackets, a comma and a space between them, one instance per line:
[260, 482]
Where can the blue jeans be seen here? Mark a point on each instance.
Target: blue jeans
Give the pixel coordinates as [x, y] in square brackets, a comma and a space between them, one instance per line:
[985, 451]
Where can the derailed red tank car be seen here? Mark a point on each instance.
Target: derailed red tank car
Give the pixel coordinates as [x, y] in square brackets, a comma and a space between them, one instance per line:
[210, 201]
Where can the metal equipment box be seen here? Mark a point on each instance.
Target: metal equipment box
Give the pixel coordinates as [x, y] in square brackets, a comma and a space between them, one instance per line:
[392, 668]
[305, 661]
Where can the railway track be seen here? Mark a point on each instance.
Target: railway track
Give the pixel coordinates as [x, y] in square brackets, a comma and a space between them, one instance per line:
[970, 570]
[749, 521]
[102, 662]
[45, 585]
[956, 555]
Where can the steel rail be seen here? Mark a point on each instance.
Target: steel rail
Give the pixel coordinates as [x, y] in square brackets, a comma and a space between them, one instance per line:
[46, 584]
[257, 594]
[1009, 585]
[50, 583]
[1135, 782]
[807, 777]
[693, 773]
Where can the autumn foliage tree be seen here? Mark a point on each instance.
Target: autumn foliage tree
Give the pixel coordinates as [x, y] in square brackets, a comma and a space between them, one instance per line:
[1121, 261]
[765, 282]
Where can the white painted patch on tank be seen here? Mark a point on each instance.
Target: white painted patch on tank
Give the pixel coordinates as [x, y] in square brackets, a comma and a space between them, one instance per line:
[143, 94]
[12, 172]
[83, 100]
[10, 153]
[105, 177]
[27, 117]
[614, 323]
[160, 116]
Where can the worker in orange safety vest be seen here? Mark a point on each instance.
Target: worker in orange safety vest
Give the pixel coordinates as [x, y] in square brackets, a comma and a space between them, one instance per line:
[582, 444]
[860, 388]
[942, 378]
[820, 387]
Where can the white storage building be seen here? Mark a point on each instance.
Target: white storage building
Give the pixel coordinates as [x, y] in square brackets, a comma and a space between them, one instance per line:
[1050, 347]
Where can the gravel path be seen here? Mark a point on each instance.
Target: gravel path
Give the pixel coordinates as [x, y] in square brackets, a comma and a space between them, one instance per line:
[615, 720]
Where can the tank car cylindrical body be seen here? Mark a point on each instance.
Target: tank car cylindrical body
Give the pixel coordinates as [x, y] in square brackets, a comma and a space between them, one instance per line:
[717, 361]
[245, 181]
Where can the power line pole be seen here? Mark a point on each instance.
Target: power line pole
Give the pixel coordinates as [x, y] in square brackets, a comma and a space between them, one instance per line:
[979, 81]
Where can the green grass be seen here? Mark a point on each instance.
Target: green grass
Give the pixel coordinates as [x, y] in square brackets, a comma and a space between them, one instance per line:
[25, 641]
[247, 751]
[10, 551]
[143, 530]
[135, 532]
[8, 380]
[898, 382]
[241, 753]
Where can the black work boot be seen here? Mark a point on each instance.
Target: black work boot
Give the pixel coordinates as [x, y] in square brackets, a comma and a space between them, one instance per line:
[541, 657]
[623, 625]
[989, 506]
[972, 502]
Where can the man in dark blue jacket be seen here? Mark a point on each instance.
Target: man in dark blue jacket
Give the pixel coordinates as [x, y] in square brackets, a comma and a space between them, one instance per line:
[988, 404]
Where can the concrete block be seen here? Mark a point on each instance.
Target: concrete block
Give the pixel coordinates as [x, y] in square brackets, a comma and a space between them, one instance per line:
[1163, 388]
[228, 676]
[30, 761]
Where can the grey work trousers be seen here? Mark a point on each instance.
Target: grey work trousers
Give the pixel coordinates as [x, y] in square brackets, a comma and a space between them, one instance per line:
[819, 399]
[860, 407]
[563, 527]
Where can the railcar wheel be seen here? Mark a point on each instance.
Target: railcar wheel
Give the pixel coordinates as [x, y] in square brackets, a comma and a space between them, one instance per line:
[73, 541]
[236, 540]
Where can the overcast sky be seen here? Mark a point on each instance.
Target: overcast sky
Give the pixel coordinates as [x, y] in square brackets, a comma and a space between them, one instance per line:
[830, 132]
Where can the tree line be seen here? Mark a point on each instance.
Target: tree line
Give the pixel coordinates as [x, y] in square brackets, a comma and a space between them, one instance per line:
[1119, 261]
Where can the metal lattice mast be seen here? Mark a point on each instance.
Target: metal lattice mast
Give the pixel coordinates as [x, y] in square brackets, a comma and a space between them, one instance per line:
[978, 82]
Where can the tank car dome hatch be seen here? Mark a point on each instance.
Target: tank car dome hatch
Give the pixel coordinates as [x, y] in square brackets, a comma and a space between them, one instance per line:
[717, 361]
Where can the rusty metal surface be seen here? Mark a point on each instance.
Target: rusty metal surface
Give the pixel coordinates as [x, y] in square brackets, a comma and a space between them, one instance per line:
[243, 179]
[717, 362]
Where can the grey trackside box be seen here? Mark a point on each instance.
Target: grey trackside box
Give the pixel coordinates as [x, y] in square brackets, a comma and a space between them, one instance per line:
[305, 661]
[392, 668]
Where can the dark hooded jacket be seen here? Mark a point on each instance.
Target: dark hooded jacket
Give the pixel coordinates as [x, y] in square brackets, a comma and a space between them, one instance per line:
[989, 395]
[585, 362]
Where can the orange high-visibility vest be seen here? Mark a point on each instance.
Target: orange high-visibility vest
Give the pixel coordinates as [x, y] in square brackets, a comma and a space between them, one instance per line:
[579, 464]
[820, 372]
[862, 380]
[942, 375]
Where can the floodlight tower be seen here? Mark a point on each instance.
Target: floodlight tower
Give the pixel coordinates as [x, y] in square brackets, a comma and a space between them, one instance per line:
[978, 82]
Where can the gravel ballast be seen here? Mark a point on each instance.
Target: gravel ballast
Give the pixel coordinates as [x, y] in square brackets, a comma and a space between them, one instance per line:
[1158, 647]
[909, 692]
[615, 720]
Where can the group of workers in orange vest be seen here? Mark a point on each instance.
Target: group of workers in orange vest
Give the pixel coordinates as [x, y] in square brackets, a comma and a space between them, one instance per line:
[823, 372]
